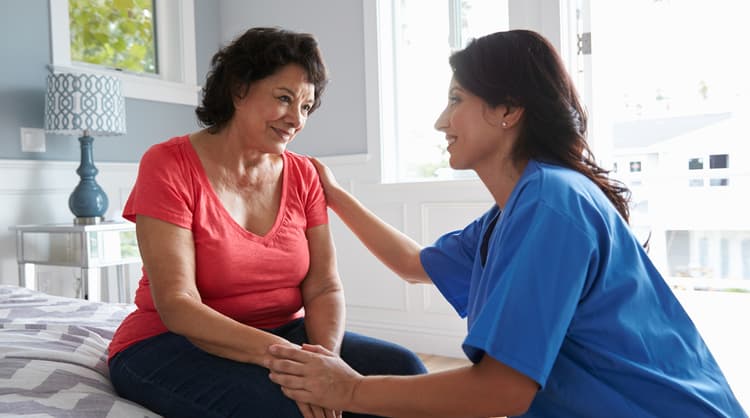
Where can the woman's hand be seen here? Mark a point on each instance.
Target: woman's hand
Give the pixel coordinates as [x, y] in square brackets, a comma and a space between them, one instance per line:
[313, 375]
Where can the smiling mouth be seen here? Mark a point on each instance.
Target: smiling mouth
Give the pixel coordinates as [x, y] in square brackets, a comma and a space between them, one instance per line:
[451, 140]
[284, 135]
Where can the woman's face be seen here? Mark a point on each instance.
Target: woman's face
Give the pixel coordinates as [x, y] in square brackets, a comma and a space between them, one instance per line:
[275, 109]
[472, 129]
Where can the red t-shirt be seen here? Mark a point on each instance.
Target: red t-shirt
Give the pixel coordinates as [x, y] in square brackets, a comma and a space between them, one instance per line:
[250, 278]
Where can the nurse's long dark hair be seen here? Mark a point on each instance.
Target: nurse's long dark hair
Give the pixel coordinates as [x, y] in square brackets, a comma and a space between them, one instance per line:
[521, 68]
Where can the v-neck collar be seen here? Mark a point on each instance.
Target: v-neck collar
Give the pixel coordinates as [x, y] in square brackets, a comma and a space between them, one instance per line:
[206, 183]
[484, 247]
[501, 213]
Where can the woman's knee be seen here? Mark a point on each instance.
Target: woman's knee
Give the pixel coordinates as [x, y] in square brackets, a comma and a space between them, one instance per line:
[406, 362]
[371, 356]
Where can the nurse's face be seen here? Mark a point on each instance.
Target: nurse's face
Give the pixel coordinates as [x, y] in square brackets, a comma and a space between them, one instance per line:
[472, 129]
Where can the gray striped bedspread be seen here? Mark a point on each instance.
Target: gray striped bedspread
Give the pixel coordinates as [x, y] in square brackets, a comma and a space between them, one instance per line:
[53, 353]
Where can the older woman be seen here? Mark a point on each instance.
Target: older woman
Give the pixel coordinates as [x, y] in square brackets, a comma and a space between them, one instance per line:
[236, 247]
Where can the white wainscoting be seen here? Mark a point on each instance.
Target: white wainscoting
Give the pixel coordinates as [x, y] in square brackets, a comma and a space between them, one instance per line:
[36, 192]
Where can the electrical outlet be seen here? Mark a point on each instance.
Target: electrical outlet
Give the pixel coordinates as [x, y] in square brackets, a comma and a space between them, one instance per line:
[33, 140]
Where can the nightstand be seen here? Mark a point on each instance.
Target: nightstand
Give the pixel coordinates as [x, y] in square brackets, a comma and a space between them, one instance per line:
[88, 247]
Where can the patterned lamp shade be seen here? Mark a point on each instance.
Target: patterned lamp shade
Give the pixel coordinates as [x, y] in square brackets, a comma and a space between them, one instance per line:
[84, 103]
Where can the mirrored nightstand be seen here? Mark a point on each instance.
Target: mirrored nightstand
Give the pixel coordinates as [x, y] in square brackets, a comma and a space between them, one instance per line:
[88, 247]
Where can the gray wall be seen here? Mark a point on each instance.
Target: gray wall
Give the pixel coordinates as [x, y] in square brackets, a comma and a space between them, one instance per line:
[25, 51]
[339, 126]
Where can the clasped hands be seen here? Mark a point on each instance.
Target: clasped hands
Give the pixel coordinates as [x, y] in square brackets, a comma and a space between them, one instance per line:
[313, 375]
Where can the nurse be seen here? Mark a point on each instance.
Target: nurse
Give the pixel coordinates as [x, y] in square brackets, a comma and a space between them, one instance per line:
[567, 316]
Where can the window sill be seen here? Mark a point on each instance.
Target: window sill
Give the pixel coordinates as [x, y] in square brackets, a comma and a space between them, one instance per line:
[144, 87]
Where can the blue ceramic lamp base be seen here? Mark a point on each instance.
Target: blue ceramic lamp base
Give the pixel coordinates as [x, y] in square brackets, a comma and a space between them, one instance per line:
[88, 202]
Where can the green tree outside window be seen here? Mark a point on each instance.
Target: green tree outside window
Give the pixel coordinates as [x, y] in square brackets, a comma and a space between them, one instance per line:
[114, 33]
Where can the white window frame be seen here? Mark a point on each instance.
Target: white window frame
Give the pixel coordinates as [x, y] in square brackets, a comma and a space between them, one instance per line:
[176, 81]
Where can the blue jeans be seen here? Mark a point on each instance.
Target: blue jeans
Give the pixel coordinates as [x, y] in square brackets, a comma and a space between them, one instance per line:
[174, 378]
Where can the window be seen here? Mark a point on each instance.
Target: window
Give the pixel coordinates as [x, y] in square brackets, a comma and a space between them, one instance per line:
[112, 34]
[719, 182]
[695, 164]
[724, 259]
[704, 266]
[418, 83]
[715, 162]
[156, 65]
[718, 161]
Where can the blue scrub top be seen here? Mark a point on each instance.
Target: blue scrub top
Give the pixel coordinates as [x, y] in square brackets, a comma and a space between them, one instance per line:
[568, 297]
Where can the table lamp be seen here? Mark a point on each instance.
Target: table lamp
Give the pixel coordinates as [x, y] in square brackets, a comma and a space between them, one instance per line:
[85, 105]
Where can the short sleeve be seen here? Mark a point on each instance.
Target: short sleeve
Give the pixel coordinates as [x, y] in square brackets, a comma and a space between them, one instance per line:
[449, 263]
[316, 209]
[163, 188]
[533, 290]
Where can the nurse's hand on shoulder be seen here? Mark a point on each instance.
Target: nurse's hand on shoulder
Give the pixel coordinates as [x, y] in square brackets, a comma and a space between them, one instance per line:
[330, 185]
[313, 375]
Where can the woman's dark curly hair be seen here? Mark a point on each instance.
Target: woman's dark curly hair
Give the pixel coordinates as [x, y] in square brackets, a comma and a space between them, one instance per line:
[521, 68]
[256, 54]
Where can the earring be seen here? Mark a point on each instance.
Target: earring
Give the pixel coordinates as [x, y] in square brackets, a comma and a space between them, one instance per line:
[504, 124]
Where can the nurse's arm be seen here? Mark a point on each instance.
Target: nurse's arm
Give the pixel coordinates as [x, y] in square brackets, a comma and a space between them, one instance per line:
[392, 247]
[489, 388]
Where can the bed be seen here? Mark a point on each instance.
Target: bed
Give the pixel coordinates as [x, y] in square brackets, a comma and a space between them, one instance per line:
[53, 353]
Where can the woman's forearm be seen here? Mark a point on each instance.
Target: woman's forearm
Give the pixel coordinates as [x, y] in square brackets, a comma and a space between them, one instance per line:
[216, 333]
[392, 247]
[324, 319]
[322, 291]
